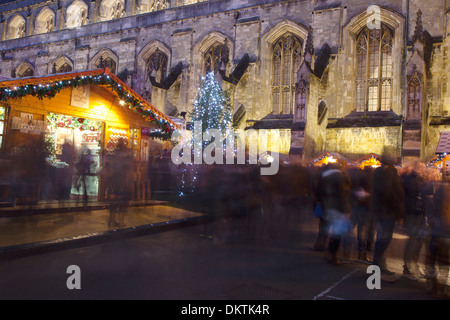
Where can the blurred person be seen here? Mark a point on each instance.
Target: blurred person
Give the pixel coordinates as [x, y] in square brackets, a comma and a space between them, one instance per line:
[336, 205]
[66, 173]
[29, 170]
[257, 192]
[120, 179]
[437, 257]
[317, 194]
[361, 211]
[83, 170]
[414, 221]
[388, 205]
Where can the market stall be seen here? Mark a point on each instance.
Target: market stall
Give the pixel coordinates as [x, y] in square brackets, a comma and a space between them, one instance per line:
[83, 114]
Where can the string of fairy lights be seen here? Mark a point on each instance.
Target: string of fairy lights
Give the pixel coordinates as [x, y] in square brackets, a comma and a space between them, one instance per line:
[49, 90]
[438, 159]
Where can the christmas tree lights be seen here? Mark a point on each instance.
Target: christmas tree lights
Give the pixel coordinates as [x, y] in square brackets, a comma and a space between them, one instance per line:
[212, 107]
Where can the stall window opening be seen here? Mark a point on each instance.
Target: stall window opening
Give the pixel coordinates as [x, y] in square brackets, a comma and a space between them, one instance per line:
[3, 116]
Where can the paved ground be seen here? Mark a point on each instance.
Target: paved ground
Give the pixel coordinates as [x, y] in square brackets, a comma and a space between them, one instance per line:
[26, 229]
[182, 263]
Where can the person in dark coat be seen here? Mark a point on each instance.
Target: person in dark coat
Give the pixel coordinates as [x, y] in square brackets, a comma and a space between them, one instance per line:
[388, 206]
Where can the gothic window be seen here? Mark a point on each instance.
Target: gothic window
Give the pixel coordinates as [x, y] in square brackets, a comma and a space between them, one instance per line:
[28, 72]
[45, 21]
[106, 62]
[300, 106]
[216, 57]
[17, 27]
[158, 5]
[286, 61]
[65, 67]
[117, 10]
[414, 98]
[374, 69]
[77, 14]
[157, 65]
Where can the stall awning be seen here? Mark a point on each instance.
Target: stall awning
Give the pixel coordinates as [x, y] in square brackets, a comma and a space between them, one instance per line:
[48, 86]
[444, 143]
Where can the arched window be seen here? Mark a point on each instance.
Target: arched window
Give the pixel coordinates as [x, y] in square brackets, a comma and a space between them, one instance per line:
[117, 10]
[374, 69]
[157, 65]
[112, 9]
[414, 102]
[106, 62]
[77, 14]
[286, 61]
[300, 105]
[216, 57]
[62, 64]
[23, 70]
[45, 21]
[17, 27]
[152, 5]
[65, 67]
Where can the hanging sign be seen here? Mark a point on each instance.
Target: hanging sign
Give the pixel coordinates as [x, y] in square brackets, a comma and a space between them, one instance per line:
[80, 97]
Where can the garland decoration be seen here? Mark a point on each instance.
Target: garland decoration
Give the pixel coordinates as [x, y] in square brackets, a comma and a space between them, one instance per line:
[61, 121]
[51, 89]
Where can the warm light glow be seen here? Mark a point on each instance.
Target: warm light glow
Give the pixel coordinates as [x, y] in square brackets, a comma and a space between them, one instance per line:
[122, 103]
[371, 162]
[328, 160]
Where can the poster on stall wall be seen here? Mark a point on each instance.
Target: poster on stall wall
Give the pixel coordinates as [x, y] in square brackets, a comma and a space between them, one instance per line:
[80, 97]
[26, 124]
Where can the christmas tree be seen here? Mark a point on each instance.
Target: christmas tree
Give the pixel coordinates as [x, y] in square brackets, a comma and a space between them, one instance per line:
[213, 110]
[212, 106]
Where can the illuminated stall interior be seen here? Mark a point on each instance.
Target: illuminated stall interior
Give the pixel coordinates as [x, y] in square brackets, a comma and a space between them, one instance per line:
[372, 161]
[329, 158]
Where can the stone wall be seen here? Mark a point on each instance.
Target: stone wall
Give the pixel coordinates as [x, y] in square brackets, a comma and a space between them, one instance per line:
[354, 142]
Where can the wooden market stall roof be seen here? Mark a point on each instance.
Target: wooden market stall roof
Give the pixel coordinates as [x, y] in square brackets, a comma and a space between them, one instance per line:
[444, 143]
[48, 86]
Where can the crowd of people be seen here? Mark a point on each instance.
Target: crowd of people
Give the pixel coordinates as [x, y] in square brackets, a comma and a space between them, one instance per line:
[376, 200]
[352, 206]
